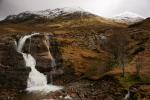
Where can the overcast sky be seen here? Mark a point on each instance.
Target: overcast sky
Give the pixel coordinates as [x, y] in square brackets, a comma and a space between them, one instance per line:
[107, 8]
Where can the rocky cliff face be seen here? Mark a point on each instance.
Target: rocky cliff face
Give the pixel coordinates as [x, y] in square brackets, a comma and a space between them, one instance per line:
[14, 73]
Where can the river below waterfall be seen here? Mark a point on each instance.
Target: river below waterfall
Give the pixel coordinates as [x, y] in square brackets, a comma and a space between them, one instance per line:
[105, 89]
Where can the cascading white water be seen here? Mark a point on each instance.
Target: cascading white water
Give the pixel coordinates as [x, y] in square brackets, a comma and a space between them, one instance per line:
[127, 95]
[36, 80]
[53, 63]
[47, 43]
[22, 41]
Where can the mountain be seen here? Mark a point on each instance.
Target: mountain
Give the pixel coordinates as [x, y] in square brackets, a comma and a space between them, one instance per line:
[59, 18]
[58, 11]
[86, 47]
[145, 24]
[128, 18]
[46, 14]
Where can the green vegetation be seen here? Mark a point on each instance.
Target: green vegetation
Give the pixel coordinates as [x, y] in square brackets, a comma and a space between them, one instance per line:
[130, 80]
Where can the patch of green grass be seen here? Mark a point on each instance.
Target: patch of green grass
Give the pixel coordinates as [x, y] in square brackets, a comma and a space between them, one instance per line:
[129, 80]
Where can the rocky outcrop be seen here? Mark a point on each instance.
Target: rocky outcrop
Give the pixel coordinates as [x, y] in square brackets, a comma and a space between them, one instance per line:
[140, 91]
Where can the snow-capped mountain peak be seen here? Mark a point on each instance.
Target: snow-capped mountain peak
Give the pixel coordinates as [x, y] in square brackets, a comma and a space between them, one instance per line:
[129, 14]
[128, 18]
[49, 13]
[58, 11]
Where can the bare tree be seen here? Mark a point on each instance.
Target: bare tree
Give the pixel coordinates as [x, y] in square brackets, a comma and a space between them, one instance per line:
[139, 64]
[117, 46]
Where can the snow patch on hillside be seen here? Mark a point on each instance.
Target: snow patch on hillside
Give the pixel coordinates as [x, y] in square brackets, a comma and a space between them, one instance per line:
[128, 18]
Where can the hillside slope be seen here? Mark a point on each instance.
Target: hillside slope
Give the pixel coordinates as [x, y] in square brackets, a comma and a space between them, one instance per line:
[57, 19]
[145, 24]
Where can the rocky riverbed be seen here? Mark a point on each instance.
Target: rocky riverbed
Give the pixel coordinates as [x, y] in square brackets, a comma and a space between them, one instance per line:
[106, 88]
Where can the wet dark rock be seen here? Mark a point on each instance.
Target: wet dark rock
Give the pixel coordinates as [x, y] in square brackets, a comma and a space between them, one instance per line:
[13, 73]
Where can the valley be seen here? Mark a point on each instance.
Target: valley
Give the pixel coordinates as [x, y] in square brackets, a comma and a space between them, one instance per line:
[96, 58]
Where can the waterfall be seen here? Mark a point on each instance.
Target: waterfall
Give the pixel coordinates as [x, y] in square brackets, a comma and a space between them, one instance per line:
[127, 95]
[22, 41]
[36, 80]
[47, 43]
[53, 63]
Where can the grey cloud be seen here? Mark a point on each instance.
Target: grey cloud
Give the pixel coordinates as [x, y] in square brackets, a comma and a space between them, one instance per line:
[100, 7]
[138, 6]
